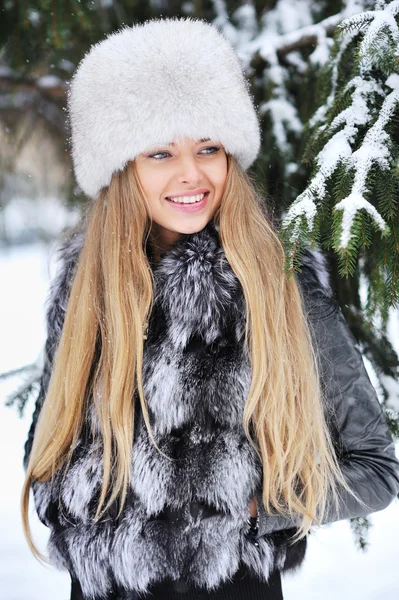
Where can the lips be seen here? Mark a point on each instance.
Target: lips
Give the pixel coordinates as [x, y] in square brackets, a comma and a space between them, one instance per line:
[189, 207]
[189, 193]
[171, 198]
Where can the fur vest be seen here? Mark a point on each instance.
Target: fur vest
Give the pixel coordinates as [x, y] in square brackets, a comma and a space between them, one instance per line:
[185, 518]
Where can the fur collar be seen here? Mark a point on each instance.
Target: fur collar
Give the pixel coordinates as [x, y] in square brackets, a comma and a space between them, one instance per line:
[197, 290]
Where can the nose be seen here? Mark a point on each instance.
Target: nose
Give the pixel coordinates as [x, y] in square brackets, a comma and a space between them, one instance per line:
[189, 170]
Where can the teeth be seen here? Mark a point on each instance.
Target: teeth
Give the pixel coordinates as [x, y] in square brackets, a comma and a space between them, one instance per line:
[187, 199]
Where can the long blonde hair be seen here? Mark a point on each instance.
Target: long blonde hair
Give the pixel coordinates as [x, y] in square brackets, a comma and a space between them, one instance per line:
[111, 299]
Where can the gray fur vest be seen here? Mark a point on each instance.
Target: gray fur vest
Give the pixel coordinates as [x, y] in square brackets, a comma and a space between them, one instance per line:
[185, 518]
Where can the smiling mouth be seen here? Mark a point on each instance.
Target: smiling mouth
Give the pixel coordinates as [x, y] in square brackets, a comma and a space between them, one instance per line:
[198, 199]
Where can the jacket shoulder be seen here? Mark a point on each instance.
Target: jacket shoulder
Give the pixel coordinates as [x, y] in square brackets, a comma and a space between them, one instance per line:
[314, 281]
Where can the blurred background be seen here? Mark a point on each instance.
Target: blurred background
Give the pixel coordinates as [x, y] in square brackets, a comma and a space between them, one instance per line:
[327, 97]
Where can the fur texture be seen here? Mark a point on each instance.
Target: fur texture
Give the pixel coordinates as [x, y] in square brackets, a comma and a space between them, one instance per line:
[193, 360]
[187, 518]
[145, 85]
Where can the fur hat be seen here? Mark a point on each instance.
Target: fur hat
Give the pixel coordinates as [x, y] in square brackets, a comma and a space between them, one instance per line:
[146, 85]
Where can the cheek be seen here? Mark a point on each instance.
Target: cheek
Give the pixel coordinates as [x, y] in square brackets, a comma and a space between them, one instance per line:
[152, 183]
[218, 173]
[221, 177]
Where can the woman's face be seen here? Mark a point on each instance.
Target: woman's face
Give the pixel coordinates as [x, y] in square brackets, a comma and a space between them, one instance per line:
[180, 169]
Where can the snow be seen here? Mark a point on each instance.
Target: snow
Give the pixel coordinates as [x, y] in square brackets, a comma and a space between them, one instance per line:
[269, 42]
[25, 219]
[66, 65]
[393, 82]
[381, 21]
[304, 206]
[34, 16]
[295, 59]
[322, 52]
[380, 30]
[336, 150]
[350, 206]
[50, 81]
[26, 271]
[285, 25]
[282, 26]
[333, 567]
[358, 112]
[288, 22]
[246, 30]
[287, 15]
[373, 149]
[321, 112]
[282, 112]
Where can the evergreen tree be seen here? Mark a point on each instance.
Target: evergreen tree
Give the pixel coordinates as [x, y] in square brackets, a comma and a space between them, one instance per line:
[350, 203]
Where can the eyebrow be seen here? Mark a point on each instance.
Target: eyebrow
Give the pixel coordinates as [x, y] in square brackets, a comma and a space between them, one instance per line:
[197, 141]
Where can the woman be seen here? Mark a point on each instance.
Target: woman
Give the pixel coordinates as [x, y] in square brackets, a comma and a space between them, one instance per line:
[198, 411]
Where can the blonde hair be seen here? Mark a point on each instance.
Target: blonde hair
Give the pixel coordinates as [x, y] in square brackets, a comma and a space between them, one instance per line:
[284, 404]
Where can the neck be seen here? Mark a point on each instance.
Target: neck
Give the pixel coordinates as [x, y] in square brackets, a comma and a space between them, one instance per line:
[161, 240]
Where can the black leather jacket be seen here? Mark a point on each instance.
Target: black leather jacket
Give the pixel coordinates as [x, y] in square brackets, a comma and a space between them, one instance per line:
[363, 441]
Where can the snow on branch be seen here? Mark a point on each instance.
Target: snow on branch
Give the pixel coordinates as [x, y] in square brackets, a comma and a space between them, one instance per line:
[282, 112]
[373, 150]
[275, 41]
[358, 113]
[368, 113]
[337, 150]
[379, 23]
[272, 45]
[321, 112]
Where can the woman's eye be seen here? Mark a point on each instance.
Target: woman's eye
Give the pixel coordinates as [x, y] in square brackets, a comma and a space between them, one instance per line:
[213, 148]
[157, 154]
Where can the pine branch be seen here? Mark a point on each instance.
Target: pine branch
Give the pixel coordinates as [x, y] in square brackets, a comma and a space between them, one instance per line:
[355, 130]
[392, 418]
[269, 53]
[21, 395]
[360, 527]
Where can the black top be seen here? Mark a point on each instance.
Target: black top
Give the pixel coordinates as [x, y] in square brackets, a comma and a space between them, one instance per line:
[243, 586]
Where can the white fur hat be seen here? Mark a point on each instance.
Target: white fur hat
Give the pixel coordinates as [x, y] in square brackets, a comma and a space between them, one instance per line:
[147, 85]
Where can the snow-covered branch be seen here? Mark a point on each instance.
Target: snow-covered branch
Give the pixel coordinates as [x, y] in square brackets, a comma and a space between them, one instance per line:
[381, 23]
[337, 150]
[321, 112]
[370, 110]
[373, 150]
[273, 47]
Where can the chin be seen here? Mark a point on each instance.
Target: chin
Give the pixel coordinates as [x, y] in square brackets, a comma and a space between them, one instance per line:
[194, 227]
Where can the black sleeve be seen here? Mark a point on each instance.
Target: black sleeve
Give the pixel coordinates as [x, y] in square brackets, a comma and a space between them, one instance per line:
[363, 441]
[361, 436]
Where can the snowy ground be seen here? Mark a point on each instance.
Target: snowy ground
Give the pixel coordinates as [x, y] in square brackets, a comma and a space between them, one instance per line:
[333, 569]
